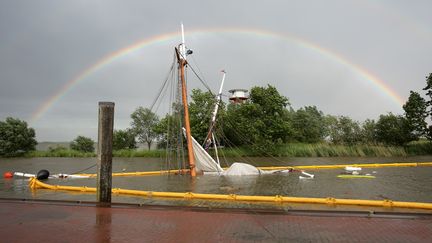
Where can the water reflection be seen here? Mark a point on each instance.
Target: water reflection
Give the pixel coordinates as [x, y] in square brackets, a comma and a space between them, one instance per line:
[103, 225]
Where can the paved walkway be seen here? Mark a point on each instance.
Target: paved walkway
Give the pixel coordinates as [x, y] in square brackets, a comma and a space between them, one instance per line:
[29, 221]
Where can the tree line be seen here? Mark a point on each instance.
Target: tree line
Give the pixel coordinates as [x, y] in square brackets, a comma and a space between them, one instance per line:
[265, 121]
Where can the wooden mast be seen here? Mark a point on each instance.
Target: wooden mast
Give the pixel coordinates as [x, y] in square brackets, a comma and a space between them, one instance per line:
[181, 57]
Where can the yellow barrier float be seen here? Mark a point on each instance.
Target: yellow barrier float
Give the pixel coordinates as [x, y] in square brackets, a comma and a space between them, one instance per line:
[142, 173]
[296, 167]
[355, 176]
[34, 184]
[316, 167]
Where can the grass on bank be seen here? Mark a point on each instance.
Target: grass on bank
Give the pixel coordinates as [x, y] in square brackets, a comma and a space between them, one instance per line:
[330, 150]
[116, 153]
[286, 150]
[60, 153]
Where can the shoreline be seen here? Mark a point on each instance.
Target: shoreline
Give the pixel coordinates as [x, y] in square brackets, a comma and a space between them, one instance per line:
[286, 150]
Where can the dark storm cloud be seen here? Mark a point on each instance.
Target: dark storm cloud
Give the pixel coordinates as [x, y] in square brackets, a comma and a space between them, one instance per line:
[45, 44]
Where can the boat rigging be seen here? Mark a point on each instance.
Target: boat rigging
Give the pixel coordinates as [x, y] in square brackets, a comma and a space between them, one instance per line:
[181, 58]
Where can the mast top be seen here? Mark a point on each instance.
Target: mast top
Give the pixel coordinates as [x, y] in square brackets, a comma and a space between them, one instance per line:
[182, 45]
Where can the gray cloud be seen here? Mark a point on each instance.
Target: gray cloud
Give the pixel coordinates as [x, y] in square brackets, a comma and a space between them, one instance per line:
[44, 44]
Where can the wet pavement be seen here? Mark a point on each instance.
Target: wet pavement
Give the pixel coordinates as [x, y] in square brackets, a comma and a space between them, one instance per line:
[57, 221]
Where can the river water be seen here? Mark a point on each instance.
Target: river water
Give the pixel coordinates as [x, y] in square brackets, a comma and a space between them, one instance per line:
[412, 184]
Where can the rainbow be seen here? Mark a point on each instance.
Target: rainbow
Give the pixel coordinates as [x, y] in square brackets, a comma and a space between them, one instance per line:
[110, 58]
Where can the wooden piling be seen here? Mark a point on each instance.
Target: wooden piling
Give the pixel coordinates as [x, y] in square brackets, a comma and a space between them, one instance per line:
[104, 153]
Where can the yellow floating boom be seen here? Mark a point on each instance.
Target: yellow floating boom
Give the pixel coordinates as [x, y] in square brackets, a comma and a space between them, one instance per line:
[297, 167]
[34, 184]
[356, 176]
[142, 173]
[315, 167]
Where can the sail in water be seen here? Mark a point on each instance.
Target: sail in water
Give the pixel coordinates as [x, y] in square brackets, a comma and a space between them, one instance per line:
[205, 164]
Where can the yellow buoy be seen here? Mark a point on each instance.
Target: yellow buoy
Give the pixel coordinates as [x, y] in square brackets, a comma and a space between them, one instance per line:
[356, 176]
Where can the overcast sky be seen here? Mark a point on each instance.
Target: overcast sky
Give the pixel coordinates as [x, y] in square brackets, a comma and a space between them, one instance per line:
[321, 53]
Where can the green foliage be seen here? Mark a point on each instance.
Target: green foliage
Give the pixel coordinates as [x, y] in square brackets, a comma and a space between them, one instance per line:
[269, 114]
[368, 132]
[239, 124]
[350, 130]
[56, 148]
[285, 150]
[308, 125]
[58, 152]
[261, 122]
[329, 150]
[200, 112]
[428, 90]
[16, 138]
[78, 154]
[331, 131]
[139, 153]
[393, 130]
[421, 147]
[82, 144]
[143, 123]
[264, 126]
[168, 131]
[343, 130]
[124, 139]
[415, 113]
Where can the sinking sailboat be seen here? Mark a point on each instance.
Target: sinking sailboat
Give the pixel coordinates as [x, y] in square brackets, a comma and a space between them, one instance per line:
[205, 164]
[199, 160]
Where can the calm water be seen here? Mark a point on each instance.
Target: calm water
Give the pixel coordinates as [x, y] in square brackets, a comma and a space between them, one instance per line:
[402, 184]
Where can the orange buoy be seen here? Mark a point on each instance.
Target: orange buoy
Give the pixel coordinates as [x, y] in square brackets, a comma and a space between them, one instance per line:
[8, 174]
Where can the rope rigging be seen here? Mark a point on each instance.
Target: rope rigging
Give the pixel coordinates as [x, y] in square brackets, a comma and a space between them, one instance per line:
[175, 150]
[199, 78]
[175, 147]
[163, 86]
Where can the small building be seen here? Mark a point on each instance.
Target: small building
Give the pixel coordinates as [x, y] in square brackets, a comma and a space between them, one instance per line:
[238, 96]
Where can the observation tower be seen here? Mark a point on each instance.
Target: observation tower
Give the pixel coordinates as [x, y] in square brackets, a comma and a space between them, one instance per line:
[238, 96]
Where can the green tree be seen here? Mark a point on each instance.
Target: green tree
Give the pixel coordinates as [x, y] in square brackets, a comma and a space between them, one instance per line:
[15, 137]
[168, 131]
[124, 139]
[350, 130]
[428, 90]
[308, 125]
[393, 130]
[239, 125]
[368, 132]
[271, 111]
[415, 113]
[143, 123]
[331, 129]
[83, 144]
[200, 112]
[343, 130]
[261, 121]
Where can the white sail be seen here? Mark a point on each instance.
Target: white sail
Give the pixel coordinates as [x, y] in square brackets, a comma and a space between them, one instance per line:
[203, 161]
[206, 164]
[239, 169]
